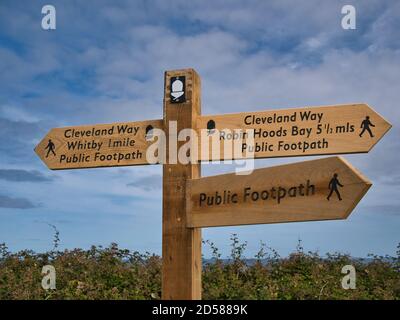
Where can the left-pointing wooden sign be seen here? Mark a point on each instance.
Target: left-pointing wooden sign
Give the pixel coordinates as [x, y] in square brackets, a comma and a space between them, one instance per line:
[100, 145]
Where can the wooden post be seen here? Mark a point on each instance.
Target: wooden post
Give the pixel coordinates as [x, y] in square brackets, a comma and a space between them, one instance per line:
[181, 246]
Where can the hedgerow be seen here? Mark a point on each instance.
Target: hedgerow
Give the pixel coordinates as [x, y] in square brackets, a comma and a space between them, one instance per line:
[114, 273]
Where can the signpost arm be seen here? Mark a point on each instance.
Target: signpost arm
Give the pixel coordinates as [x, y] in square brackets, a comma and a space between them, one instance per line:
[181, 246]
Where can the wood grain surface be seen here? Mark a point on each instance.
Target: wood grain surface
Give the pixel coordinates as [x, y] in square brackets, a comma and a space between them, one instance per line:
[286, 193]
[291, 132]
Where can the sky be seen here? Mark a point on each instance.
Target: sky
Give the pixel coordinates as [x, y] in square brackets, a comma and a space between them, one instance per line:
[105, 63]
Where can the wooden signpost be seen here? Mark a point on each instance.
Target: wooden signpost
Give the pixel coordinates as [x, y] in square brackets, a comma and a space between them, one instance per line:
[181, 246]
[322, 189]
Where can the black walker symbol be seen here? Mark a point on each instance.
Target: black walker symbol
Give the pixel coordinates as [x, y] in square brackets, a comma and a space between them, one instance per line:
[333, 186]
[51, 147]
[365, 126]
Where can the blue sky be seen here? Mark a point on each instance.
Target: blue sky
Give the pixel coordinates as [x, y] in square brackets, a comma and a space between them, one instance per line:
[105, 62]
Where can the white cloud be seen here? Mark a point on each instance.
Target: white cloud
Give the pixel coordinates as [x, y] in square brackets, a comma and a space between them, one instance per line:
[107, 65]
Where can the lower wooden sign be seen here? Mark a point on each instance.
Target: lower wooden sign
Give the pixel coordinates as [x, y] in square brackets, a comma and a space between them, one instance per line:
[323, 189]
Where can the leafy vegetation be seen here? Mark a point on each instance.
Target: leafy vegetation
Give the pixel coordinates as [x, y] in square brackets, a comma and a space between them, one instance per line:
[114, 273]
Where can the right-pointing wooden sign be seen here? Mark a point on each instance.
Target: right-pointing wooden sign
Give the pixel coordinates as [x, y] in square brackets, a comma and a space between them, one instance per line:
[339, 129]
[323, 189]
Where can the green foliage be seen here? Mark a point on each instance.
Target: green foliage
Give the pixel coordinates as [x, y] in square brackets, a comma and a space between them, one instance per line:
[114, 273]
[98, 273]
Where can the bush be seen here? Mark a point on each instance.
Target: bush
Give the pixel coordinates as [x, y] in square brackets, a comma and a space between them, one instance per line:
[114, 273]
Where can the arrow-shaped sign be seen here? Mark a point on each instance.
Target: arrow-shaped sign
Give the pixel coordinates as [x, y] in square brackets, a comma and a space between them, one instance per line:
[100, 145]
[322, 189]
[339, 129]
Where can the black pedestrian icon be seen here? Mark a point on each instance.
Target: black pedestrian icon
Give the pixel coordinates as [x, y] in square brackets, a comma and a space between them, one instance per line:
[51, 147]
[365, 125]
[333, 186]
[210, 127]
